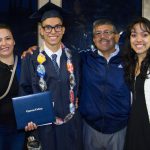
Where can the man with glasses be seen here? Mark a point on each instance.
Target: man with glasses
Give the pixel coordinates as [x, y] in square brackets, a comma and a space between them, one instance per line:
[55, 68]
[105, 97]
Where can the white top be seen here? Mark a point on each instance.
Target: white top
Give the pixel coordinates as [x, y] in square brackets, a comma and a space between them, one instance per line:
[50, 52]
[112, 54]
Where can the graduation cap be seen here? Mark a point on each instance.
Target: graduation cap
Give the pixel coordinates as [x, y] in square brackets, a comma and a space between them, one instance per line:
[47, 7]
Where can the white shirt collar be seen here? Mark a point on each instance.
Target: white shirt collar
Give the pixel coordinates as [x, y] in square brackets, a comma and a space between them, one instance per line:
[112, 54]
[50, 52]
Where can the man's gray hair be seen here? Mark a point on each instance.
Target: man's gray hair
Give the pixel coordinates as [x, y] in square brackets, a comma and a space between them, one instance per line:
[104, 22]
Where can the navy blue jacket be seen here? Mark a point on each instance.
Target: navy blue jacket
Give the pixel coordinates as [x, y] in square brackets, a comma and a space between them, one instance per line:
[105, 97]
[69, 135]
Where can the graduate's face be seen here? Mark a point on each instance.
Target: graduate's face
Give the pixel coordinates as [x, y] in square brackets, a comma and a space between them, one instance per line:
[6, 43]
[52, 31]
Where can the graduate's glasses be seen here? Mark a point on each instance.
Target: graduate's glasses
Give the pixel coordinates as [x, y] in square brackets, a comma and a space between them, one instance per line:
[48, 28]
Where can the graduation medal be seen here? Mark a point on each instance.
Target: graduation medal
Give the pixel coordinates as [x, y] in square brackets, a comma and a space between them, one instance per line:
[41, 70]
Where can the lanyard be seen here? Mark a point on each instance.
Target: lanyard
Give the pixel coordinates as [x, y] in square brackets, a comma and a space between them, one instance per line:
[70, 68]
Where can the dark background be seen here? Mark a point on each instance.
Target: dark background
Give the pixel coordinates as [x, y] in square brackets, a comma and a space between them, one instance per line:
[78, 25]
[121, 12]
[16, 13]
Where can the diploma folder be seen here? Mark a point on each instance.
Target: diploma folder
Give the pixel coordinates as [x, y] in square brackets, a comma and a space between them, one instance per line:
[37, 108]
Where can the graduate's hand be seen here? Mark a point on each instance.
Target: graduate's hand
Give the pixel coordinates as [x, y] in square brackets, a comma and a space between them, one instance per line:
[30, 126]
[28, 51]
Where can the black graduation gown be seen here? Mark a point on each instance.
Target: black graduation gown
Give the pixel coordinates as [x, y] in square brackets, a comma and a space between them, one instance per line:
[69, 135]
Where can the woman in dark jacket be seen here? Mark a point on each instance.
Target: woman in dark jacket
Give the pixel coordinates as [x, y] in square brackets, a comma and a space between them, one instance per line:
[10, 137]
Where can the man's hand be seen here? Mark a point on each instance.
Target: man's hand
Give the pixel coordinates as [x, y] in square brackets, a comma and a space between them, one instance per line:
[28, 51]
[30, 126]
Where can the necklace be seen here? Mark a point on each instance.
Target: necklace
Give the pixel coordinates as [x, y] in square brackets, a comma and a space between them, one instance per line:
[11, 78]
[70, 68]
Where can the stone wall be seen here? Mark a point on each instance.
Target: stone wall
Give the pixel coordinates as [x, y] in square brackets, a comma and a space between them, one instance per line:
[146, 8]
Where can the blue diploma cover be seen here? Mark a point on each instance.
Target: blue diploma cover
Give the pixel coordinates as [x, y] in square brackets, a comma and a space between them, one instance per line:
[37, 108]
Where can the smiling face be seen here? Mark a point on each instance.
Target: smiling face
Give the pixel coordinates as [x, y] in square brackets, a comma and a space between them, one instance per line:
[6, 43]
[140, 39]
[53, 36]
[105, 38]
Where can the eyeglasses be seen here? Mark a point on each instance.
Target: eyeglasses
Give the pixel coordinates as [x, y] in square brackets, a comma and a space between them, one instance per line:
[105, 33]
[48, 28]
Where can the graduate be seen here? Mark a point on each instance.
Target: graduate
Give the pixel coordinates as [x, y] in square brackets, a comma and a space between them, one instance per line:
[55, 68]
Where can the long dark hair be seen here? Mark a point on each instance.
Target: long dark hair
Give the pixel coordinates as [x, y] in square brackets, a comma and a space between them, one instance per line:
[129, 56]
